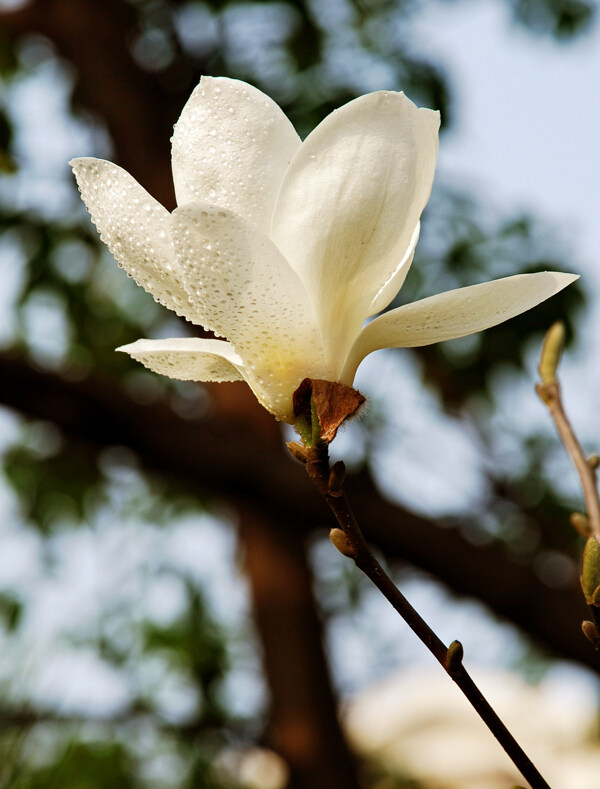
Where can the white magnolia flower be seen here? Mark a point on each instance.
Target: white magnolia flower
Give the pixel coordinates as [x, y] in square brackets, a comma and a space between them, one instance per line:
[286, 247]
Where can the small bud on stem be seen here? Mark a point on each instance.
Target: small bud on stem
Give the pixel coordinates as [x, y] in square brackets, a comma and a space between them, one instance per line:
[590, 631]
[551, 352]
[297, 450]
[342, 543]
[590, 577]
[336, 479]
[580, 523]
[454, 658]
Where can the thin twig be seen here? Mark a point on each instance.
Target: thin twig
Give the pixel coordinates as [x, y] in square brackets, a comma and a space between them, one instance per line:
[587, 525]
[350, 541]
[550, 394]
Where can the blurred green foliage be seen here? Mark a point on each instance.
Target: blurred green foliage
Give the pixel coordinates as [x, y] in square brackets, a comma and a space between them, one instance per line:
[560, 18]
[88, 766]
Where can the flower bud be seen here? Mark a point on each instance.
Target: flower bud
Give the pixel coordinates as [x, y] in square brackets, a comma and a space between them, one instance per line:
[590, 631]
[590, 577]
[551, 352]
[336, 479]
[342, 543]
[454, 657]
[580, 523]
[297, 450]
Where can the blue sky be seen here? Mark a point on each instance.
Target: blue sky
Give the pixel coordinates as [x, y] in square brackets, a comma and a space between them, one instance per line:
[526, 117]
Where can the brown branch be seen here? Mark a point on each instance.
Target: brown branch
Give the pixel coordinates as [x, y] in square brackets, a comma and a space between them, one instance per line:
[237, 454]
[350, 541]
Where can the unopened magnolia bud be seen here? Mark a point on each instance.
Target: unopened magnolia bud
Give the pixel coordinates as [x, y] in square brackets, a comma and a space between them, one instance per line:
[590, 631]
[454, 658]
[594, 461]
[580, 523]
[336, 479]
[297, 450]
[590, 577]
[551, 352]
[342, 543]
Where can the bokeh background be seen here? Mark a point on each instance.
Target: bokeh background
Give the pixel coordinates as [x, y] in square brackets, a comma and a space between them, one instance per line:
[171, 611]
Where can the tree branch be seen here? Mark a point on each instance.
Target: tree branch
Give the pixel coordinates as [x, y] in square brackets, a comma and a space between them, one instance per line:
[242, 460]
[348, 539]
[550, 394]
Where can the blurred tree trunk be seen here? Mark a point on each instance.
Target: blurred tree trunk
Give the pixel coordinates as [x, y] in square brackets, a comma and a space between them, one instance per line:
[303, 725]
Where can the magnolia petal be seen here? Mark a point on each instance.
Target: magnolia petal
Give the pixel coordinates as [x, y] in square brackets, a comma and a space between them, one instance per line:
[231, 147]
[248, 293]
[453, 314]
[188, 358]
[350, 201]
[136, 229]
[389, 290]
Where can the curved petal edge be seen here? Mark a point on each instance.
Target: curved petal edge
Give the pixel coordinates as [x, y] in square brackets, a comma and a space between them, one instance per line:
[188, 358]
[454, 314]
[231, 147]
[349, 204]
[135, 227]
